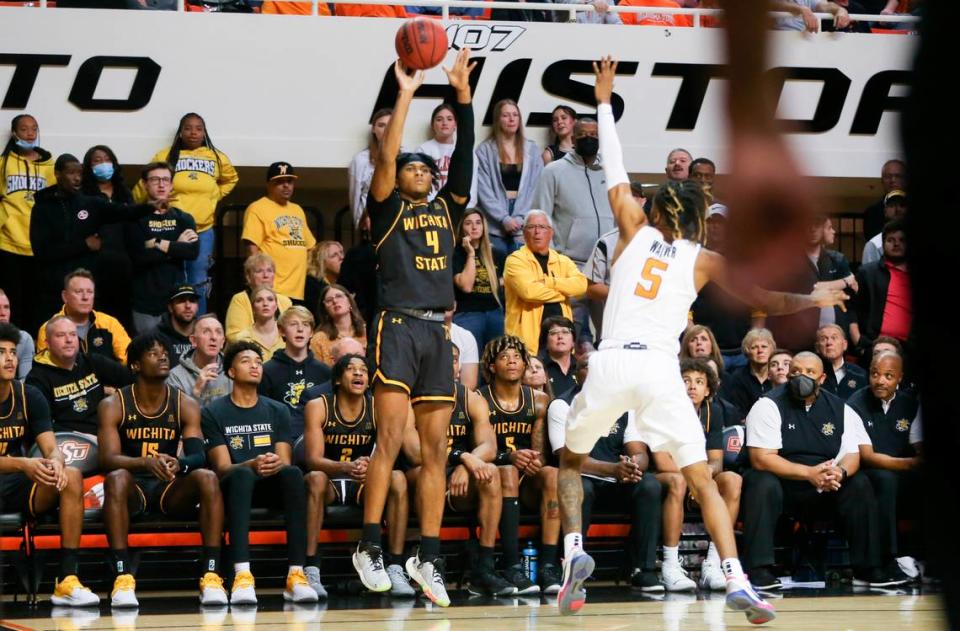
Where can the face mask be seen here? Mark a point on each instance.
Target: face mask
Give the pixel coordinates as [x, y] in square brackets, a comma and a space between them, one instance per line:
[802, 386]
[588, 146]
[27, 145]
[103, 171]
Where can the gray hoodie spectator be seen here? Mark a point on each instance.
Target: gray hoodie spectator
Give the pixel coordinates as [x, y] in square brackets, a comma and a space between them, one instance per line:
[186, 374]
[575, 196]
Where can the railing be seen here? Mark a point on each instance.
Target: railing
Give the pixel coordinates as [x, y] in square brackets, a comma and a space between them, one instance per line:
[571, 9]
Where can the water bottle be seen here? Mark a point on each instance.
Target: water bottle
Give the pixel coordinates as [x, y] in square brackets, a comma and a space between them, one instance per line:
[530, 561]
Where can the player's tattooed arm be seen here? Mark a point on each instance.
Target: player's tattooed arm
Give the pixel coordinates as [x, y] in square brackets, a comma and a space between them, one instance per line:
[538, 439]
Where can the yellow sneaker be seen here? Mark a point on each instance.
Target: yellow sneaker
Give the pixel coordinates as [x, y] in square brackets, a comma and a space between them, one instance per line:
[211, 590]
[298, 588]
[123, 594]
[243, 592]
[71, 593]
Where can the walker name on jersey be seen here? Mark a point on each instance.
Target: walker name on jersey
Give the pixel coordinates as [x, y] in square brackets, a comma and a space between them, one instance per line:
[663, 250]
[248, 429]
[17, 183]
[197, 164]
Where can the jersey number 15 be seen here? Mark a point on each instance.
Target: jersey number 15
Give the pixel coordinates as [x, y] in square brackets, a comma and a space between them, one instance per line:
[652, 273]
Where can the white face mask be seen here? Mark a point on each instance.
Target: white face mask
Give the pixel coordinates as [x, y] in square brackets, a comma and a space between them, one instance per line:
[27, 145]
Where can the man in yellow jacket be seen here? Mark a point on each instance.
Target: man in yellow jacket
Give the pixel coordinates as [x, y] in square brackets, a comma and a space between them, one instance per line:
[539, 282]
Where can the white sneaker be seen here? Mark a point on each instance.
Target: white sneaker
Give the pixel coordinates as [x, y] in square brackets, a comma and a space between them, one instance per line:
[75, 618]
[400, 584]
[298, 588]
[212, 592]
[243, 591]
[368, 562]
[712, 578]
[124, 594]
[675, 578]
[909, 566]
[70, 592]
[430, 577]
[313, 577]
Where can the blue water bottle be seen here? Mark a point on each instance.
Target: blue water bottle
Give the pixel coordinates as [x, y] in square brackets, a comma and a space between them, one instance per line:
[530, 562]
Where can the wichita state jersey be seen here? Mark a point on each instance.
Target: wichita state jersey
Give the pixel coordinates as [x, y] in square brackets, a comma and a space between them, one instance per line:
[415, 246]
[514, 429]
[459, 434]
[346, 440]
[142, 436]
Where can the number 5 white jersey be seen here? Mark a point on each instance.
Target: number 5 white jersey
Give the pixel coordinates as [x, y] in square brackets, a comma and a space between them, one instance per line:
[651, 290]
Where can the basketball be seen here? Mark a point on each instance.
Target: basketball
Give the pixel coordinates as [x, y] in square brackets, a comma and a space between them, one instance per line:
[421, 43]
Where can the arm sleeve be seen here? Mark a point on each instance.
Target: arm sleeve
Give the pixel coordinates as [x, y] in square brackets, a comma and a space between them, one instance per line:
[763, 425]
[461, 162]
[854, 434]
[610, 147]
[557, 423]
[193, 455]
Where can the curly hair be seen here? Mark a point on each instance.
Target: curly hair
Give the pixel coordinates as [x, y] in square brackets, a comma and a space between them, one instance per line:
[498, 345]
[701, 365]
[682, 207]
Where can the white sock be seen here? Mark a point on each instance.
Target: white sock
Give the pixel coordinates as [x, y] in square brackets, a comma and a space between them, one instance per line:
[731, 568]
[572, 542]
[713, 556]
[241, 567]
[294, 568]
[671, 555]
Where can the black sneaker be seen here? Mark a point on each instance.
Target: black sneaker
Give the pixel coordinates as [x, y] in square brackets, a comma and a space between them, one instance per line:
[763, 578]
[518, 578]
[549, 578]
[877, 577]
[485, 582]
[645, 581]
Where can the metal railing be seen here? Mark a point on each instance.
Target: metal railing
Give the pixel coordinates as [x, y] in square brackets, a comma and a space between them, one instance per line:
[571, 9]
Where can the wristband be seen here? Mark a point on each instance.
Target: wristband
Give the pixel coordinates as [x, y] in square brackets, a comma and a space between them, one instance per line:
[454, 457]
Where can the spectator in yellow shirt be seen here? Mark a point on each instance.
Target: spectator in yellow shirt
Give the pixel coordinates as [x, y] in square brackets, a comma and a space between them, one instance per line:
[203, 176]
[258, 270]
[278, 227]
[25, 168]
[539, 282]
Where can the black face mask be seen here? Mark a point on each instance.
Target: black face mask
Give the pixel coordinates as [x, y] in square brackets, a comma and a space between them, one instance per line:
[802, 386]
[587, 146]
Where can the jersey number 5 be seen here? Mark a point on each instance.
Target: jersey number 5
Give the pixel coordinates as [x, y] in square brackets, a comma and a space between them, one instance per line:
[652, 273]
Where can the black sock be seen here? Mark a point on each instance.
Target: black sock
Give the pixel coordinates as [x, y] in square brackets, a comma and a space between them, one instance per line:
[313, 560]
[510, 531]
[485, 558]
[68, 562]
[121, 561]
[210, 560]
[390, 558]
[548, 554]
[371, 534]
[429, 548]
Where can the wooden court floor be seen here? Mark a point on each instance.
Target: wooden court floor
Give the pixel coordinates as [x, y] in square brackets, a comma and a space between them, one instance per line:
[669, 613]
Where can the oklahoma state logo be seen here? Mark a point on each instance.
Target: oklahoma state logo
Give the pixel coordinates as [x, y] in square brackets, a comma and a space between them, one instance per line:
[73, 451]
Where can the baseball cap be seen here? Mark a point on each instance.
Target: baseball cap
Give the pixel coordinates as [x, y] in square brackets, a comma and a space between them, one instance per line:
[279, 170]
[717, 210]
[893, 195]
[183, 290]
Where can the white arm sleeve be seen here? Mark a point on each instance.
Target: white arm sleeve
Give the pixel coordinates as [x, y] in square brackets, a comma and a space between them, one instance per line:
[610, 150]
[557, 423]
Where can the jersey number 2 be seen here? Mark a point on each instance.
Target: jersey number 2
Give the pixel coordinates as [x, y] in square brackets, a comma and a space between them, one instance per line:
[652, 273]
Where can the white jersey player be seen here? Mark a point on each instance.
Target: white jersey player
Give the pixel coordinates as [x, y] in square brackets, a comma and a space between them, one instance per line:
[658, 268]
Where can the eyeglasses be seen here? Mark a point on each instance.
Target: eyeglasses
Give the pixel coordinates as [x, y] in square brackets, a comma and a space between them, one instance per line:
[333, 299]
[559, 331]
[159, 180]
[534, 228]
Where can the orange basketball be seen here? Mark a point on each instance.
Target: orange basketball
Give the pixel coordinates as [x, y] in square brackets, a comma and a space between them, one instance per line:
[421, 43]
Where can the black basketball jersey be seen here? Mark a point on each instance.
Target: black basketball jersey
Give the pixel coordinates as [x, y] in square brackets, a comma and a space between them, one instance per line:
[415, 244]
[348, 439]
[459, 434]
[20, 420]
[514, 429]
[143, 435]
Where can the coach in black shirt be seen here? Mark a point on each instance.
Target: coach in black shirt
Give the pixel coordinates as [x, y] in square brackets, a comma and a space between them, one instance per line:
[842, 377]
[890, 459]
[805, 450]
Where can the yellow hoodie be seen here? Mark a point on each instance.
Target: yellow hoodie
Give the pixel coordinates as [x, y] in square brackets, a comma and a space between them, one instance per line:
[19, 180]
[200, 181]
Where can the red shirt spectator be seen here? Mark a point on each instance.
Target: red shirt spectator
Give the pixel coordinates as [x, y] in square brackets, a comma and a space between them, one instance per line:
[654, 19]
